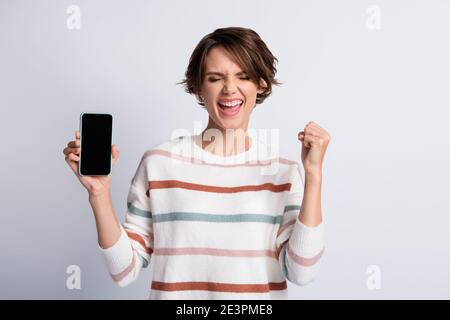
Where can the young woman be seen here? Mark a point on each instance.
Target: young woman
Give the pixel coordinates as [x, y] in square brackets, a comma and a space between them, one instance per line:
[214, 224]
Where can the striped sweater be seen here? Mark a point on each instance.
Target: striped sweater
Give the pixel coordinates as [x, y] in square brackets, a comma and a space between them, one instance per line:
[215, 227]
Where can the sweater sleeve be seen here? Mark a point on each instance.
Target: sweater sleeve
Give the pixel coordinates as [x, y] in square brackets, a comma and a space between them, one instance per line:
[299, 247]
[133, 250]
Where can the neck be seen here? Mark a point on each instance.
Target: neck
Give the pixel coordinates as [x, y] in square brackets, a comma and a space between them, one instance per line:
[224, 142]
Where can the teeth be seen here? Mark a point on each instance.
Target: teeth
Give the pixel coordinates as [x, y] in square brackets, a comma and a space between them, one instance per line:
[231, 103]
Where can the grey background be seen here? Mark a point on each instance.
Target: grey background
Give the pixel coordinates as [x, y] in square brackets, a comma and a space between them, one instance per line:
[383, 96]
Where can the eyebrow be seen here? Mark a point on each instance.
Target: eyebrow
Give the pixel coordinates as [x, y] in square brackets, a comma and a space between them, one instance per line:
[221, 74]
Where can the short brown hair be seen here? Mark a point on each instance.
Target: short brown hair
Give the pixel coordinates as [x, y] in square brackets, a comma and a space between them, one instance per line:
[246, 47]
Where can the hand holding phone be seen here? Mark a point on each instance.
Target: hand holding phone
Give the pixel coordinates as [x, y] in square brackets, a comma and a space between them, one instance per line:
[96, 184]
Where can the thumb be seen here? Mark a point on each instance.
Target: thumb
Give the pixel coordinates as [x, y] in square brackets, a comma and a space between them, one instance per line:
[115, 153]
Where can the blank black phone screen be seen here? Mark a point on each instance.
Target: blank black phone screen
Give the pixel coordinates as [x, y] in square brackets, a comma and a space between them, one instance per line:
[96, 139]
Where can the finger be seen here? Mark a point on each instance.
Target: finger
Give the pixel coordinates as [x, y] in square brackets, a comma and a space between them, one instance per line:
[74, 144]
[115, 153]
[311, 140]
[72, 160]
[324, 133]
[77, 134]
[314, 124]
[314, 131]
[73, 157]
[69, 150]
[305, 141]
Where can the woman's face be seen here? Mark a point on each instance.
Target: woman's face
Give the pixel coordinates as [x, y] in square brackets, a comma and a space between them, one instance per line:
[229, 95]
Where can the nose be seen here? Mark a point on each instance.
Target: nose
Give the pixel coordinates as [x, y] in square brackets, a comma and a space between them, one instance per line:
[229, 87]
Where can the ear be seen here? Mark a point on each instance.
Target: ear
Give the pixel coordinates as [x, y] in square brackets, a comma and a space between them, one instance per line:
[262, 86]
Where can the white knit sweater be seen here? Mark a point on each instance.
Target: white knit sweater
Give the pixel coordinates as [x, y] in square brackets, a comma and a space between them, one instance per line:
[215, 227]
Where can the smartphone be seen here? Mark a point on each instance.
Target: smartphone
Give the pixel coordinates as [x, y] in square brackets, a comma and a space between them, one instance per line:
[96, 141]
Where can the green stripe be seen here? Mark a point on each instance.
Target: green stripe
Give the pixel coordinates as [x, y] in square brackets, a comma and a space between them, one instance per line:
[139, 212]
[144, 262]
[292, 207]
[193, 216]
[283, 261]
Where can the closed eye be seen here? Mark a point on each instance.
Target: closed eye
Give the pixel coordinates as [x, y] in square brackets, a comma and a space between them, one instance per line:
[214, 79]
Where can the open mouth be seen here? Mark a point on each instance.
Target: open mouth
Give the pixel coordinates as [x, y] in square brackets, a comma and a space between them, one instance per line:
[230, 108]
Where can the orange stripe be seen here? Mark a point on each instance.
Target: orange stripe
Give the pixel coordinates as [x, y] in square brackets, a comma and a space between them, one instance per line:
[139, 239]
[278, 250]
[163, 184]
[222, 287]
[251, 163]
